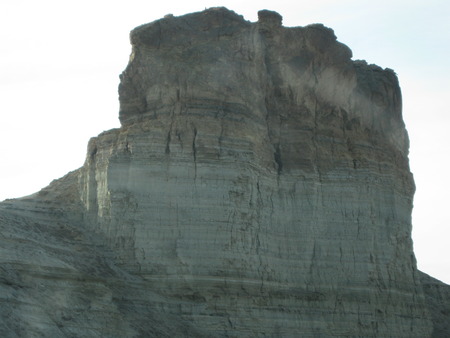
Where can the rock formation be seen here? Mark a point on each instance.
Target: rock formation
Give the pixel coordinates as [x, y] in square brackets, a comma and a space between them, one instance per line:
[259, 185]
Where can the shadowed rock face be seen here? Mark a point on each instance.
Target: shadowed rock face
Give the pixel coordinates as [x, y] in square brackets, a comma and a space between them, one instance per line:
[259, 185]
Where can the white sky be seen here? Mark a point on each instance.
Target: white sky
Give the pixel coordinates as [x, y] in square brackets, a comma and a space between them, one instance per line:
[60, 62]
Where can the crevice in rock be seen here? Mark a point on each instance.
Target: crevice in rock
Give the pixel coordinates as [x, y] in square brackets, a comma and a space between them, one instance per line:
[220, 140]
[194, 146]
[194, 152]
[277, 158]
[315, 142]
[168, 142]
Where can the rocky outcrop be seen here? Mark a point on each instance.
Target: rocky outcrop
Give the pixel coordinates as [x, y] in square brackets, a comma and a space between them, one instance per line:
[59, 279]
[259, 186]
[437, 299]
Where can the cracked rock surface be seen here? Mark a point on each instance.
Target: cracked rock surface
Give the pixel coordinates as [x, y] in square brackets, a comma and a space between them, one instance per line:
[259, 186]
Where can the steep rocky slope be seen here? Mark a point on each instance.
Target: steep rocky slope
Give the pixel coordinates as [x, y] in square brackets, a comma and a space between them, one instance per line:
[259, 186]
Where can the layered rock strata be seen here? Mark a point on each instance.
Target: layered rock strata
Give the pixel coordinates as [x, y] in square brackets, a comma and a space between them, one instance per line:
[259, 186]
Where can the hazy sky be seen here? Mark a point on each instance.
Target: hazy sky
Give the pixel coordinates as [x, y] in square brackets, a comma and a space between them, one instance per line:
[60, 62]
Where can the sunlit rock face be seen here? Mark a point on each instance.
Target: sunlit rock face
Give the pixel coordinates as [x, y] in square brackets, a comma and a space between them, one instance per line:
[259, 186]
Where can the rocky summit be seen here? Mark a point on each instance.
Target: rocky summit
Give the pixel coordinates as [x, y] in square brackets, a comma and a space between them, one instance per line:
[258, 186]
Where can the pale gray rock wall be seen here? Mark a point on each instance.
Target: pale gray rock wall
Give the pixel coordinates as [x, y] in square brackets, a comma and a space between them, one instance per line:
[437, 299]
[58, 279]
[259, 186]
[259, 169]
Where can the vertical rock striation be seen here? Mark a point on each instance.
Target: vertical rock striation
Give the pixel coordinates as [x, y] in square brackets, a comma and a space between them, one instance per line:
[259, 186]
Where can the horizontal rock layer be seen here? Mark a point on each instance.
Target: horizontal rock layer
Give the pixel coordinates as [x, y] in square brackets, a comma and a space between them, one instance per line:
[259, 185]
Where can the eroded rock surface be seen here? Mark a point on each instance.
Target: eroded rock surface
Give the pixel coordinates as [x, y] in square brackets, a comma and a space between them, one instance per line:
[259, 186]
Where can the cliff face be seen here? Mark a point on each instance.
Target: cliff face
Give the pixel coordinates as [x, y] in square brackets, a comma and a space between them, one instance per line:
[259, 185]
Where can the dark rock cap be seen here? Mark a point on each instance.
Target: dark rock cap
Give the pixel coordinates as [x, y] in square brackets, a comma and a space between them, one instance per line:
[270, 17]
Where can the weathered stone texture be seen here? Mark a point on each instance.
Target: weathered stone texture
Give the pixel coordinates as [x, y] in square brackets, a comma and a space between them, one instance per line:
[437, 296]
[259, 186]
